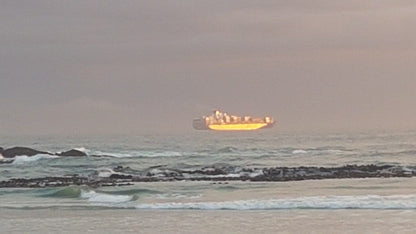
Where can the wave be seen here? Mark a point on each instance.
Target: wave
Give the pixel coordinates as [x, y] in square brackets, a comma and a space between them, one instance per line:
[68, 192]
[322, 150]
[29, 159]
[177, 196]
[96, 197]
[82, 149]
[111, 201]
[323, 202]
[132, 154]
[228, 149]
[86, 193]
[150, 154]
[134, 192]
[105, 172]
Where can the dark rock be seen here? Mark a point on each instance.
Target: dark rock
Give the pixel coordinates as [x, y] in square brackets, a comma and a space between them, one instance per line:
[157, 166]
[73, 152]
[210, 171]
[208, 174]
[165, 173]
[126, 170]
[18, 151]
[6, 161]
[118, 168]
[120, 176]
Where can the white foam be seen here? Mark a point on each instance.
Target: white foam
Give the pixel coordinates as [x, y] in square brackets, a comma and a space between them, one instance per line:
[115, 155]
[334, 151]
[176, 196]
[222, 176]
[95, 197]
[159, 154]
[1, 156]
[299, 152]
[28, 159]
[130, 154]
[256, 173]
[324, 202]
[83, 149]
[105, 172]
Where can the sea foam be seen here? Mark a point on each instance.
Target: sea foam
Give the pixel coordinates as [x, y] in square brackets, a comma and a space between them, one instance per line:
[105, 172]
[28, 159]
[132, 154]
[323, 202]
[95, 197]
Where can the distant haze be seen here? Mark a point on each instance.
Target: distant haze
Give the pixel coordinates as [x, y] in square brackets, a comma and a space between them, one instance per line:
[103, 67]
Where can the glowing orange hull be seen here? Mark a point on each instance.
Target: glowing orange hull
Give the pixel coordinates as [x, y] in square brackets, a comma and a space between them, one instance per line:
[238, 127]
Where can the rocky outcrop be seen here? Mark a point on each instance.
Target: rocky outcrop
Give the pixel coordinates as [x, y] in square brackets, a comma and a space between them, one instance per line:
[19, 151]
[125, 175]
[73, 152]
[58, 182]
[227, 173]
[25, 151]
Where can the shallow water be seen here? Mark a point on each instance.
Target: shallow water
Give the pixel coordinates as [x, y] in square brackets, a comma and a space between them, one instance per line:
[384, 193]
[324, 206]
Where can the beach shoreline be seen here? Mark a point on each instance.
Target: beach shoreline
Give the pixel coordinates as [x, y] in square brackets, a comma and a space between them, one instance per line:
[218, 221]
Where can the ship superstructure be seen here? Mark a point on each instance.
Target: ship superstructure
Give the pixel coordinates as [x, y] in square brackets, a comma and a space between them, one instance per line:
[221, 121]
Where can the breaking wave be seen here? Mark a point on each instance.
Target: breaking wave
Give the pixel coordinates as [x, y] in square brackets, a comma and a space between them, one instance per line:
[299, 152]
[30, 159]
[83, 149]
[86, 193]
[68, 192]
[323, 202]
[322, 151]
[132, 154]
[95, 197]
[228, 149]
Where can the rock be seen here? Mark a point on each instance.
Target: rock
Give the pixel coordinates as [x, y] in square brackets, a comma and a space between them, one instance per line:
[18, 151]
[210, 171]
[73, 152]
[5, 161]
[120, 176]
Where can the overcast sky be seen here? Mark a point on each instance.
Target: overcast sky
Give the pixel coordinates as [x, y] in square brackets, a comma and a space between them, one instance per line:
[88, 67]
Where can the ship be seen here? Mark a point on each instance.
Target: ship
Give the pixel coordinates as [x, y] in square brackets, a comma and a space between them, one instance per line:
[221, 121]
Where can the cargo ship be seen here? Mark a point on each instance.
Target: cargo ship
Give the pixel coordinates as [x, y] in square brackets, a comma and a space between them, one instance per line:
[220, 121]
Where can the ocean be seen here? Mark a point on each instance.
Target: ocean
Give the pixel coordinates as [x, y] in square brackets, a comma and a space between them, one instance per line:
[215, 182]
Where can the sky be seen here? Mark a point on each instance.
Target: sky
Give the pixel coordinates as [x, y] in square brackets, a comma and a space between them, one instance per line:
[131, 67]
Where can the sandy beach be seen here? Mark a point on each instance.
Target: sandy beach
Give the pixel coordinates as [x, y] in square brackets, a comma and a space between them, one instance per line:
[185, 221]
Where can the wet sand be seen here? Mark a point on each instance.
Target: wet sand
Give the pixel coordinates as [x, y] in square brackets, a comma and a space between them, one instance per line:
[194, 221]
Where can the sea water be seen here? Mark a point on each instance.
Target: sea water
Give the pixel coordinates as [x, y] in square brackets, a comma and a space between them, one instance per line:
[320, 206]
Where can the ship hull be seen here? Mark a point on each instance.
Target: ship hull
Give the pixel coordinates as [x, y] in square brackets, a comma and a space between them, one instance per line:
[238, 127]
